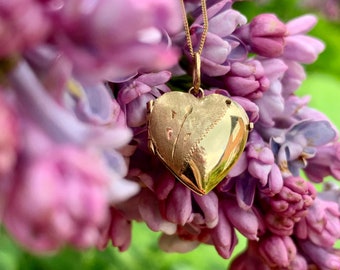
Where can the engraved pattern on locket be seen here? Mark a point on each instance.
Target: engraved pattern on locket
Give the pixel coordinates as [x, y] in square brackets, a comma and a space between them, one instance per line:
[198, 139]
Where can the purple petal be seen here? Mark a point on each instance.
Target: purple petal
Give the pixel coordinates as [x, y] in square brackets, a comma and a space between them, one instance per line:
[154, 79]
[149, 210]
[223, 236]
[244, 86]
[260, 171]
[216, 49]
[95, 105]
[61, 125]
[271, 104]
[274, 68]
[240, 166]
[250, 107]
[303, 49]
[301, 25]
[245, 191]
[213, 69]
[322, 257]
[212, 10]
[245, 221]
[209, 206]
[225, 23]
[178, 204]
[133, 91]
[165, 183]
[120, 230]
[275, 180]
[314, 132]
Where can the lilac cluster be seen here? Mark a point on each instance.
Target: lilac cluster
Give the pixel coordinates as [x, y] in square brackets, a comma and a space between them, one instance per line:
[64, 137]
[287, 223]
[75, 168]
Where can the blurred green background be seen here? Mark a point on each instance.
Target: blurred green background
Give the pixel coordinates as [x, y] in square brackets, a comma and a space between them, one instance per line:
[323, 83]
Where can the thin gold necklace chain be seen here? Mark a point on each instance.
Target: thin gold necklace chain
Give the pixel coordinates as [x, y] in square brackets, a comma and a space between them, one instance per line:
[187, 28]
[196, 89]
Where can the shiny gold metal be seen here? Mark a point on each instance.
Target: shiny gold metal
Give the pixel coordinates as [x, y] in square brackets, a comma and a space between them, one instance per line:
[187, 28]
[198, 139]
[196, 74]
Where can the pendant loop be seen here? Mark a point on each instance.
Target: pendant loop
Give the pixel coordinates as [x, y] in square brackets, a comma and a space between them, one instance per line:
[197, 93]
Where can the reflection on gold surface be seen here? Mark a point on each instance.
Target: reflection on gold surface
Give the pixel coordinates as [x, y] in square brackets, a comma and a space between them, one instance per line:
[198, 139]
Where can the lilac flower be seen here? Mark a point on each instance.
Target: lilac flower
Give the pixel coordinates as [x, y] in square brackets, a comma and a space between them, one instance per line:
[271, 104]
[247, 221]
[323, 258]
[261, 165]
[293, 78]
[265, 35]
[117, 229]
[93, 104]
[299, 144]
[299, 47]
[324, 163]
[67, 131]
[298, 263]
[221, 45]
[321, 226]
[151, 214]
[246, 79]
[327, 214]
[277, 251]
[56, 120]
[174, 210]
[223, 236]
[293, 113]
[209, 207]
[287, 207]
[269, 37]
[87, 33]
[83, 177]
[136, 93]
[23, 25]
[71, 206]
[52, 68]
[330, 192]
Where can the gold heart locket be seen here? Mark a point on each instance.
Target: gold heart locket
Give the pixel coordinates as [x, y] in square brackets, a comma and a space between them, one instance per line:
[198, 139]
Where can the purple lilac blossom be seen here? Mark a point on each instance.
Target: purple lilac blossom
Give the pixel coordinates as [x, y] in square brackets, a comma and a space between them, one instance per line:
[70, 207]
[73, 111]
[63, 124]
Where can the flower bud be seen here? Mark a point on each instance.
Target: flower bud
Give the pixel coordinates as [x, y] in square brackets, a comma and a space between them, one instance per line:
[72, 205]
[277, 251]
[138, 92]
[246, 79]
[265, 34]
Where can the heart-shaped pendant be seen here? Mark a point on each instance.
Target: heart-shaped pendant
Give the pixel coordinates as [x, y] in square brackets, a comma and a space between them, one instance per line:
[198, 139]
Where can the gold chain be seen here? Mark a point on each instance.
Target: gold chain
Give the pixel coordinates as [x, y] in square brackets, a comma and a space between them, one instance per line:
[187, 28]
[196, 89]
